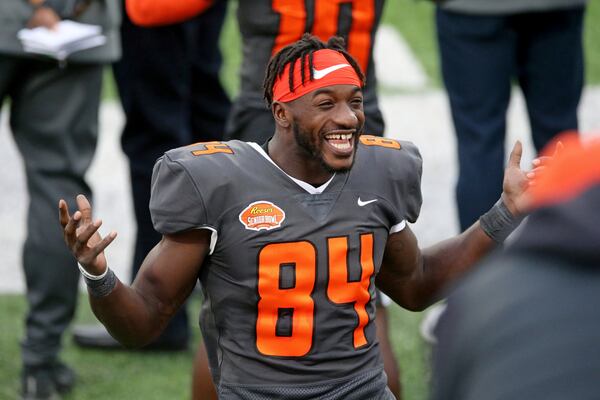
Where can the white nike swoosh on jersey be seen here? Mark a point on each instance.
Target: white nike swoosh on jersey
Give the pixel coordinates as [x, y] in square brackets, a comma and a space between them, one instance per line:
[364, 203]
[321, 73]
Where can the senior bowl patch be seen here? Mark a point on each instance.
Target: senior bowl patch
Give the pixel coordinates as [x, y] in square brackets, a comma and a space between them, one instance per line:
[262, 215]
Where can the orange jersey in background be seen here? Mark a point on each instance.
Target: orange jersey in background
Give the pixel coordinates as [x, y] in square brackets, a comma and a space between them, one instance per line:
[164, 12]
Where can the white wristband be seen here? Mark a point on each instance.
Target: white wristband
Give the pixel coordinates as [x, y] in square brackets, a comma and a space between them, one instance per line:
[90, 276]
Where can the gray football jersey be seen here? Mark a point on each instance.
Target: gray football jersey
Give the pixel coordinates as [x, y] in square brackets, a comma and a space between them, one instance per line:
[289, 282]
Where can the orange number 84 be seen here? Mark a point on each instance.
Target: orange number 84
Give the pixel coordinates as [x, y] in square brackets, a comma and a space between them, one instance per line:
[369, 140]
[298, 299]
[212, 148]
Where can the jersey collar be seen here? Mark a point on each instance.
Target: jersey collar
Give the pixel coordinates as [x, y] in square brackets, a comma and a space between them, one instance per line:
[304, 185]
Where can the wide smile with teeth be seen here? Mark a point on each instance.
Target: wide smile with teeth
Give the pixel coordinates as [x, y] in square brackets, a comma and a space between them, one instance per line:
[341, 141]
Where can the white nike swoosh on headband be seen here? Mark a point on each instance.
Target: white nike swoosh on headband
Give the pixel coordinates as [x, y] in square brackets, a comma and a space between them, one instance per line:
[321, 73]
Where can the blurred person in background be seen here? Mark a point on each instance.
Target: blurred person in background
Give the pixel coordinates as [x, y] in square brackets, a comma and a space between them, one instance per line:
[54, 119]
[525, 324]
[484, 46]
[169, 86]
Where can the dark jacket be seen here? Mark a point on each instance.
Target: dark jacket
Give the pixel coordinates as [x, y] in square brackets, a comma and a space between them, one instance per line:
[526, 324]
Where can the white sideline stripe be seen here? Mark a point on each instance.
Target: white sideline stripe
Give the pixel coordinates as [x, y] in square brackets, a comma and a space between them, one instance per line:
[395, 63]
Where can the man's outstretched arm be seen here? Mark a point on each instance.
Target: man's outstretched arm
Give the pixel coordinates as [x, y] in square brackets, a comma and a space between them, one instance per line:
[415, 279]
[136, 315]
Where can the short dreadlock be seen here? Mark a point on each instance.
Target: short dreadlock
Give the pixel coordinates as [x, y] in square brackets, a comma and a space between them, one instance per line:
[302, 49]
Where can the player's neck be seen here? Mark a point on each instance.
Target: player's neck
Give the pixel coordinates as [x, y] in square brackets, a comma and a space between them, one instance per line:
[294, 162]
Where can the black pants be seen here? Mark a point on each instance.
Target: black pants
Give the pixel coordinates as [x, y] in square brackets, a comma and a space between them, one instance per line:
[480, 55]
[168, 81]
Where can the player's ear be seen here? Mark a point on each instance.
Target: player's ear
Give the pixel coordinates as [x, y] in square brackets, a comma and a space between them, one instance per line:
[281, 114]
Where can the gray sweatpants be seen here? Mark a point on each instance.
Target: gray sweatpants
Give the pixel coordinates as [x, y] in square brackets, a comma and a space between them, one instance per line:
[54, 120]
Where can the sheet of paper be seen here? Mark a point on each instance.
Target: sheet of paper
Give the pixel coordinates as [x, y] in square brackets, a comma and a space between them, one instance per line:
[66, 38]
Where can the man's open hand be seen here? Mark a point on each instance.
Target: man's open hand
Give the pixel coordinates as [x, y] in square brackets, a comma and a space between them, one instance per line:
[516, 181]
[81, 235]
[43, 16]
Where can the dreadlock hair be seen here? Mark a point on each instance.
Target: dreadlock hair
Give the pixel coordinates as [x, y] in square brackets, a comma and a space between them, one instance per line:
[303, 48]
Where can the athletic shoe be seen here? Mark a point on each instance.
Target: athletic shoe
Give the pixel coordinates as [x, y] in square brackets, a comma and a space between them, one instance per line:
[63, 376]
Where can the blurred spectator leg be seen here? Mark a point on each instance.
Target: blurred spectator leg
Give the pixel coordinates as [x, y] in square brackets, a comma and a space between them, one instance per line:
[477, 60]
[551, 70]
[54, 119]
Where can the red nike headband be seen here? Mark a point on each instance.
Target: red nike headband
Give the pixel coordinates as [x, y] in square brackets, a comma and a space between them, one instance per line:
[330, 67]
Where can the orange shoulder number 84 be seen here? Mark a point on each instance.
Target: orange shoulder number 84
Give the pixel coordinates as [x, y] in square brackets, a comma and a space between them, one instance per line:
[212, 148]
[369, 140]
